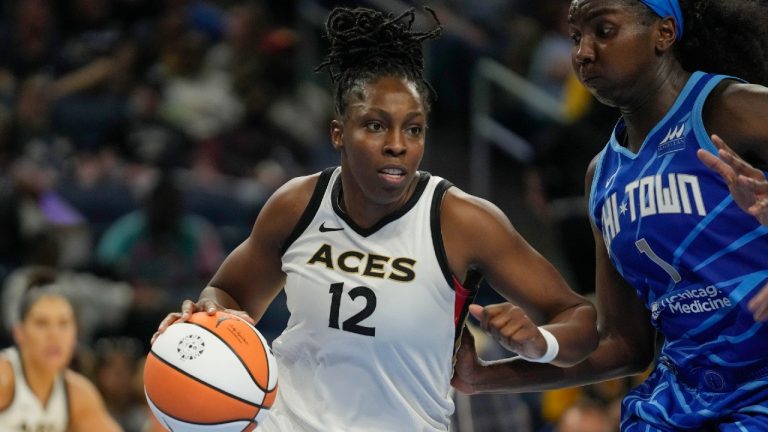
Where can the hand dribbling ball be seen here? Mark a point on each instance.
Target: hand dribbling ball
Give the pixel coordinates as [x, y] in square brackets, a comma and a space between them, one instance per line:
[211, 373]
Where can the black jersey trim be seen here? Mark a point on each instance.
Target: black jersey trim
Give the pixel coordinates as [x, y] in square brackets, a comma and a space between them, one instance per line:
[67, 401]
[437, 233]
[365, 232]
[312, 207]
[468, 289]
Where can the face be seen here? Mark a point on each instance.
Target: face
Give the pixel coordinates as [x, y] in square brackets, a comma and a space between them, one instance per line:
[614, 53]
[48, 334]
[381, 140]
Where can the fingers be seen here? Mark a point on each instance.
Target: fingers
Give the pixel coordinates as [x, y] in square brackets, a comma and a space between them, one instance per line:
[716, 164]
[164, 324]
[242, 315]
[477, 311]
[188, 307]
[508, 325]
[736, 163]
[209, 306]
[759, 305]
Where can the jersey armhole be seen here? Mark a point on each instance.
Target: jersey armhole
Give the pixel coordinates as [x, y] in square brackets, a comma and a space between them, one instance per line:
[437, 234]
[67, 401]
[595, 179]
[312, 206]
[698, 107]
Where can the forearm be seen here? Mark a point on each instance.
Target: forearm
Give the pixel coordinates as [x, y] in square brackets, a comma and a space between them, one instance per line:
[220, 297]
[519, 376]
[576, 334]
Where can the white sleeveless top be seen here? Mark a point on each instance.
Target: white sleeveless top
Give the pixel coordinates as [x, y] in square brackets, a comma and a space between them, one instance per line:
[26, 413]
[370, 341]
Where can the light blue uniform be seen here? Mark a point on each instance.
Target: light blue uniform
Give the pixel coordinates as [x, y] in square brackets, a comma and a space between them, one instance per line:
[675, 234]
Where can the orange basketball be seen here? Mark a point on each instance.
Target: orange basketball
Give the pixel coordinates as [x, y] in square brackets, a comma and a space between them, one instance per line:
[212, 373]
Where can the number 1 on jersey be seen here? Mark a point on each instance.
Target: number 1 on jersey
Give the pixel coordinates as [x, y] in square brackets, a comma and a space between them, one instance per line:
[644, 247]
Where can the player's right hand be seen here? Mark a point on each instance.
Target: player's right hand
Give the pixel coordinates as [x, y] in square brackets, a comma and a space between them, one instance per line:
[511, 327]
[188, 307]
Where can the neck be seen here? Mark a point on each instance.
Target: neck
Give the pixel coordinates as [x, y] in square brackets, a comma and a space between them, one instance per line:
[653, 104]
[365, 212]
[39, 379]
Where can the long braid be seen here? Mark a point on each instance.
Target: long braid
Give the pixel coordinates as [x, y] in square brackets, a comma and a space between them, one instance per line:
[366, 44]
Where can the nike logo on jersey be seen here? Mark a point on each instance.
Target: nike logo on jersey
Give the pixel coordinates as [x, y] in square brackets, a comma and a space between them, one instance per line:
[324, 228]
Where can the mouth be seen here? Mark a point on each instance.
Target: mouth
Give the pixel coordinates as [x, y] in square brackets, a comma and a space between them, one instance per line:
[393, 175]
[586, 79]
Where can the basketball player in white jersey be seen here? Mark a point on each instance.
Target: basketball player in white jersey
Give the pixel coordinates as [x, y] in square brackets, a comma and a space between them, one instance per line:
[378, 259]
[37, 391]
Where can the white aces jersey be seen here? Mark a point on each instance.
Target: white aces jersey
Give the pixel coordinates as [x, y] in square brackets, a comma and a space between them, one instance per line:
[374, 316]
[26, 413]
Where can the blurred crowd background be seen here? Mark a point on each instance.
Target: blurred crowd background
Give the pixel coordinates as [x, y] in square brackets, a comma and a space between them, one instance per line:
[140, 138]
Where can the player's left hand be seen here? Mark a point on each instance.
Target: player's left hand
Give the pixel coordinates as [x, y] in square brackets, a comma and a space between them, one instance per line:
[747, 184]
[511, 327]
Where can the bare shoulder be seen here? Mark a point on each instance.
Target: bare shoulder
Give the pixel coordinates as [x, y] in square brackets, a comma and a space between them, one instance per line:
[81, 389]
[6, 382]
[736, 112]
[87, 409]
[285, 207]
[294, 195]
[463, 211]
[589, 177]
[474, 231]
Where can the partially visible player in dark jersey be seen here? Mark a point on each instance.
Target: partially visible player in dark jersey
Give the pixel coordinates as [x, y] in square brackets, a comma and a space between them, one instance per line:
[682, 245]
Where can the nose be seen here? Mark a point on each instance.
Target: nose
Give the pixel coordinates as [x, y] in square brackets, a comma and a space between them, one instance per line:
[585, 52]
[395, 145]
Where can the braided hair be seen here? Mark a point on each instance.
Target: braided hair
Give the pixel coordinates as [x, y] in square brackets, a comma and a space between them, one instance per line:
[366, 44]
[720, 36]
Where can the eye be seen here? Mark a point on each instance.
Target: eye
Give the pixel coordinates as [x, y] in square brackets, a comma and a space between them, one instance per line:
[374, 126]
[604, 30]
[575, 37]
[414, 130]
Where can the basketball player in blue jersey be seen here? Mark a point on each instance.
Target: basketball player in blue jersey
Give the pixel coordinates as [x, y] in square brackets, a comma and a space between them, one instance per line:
[679, 256]
[378, 258]
[37, 390]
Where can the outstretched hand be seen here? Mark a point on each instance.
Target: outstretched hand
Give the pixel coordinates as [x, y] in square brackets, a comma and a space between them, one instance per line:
[747, 184]
[749, 188]
[511, 327]
[188, 307]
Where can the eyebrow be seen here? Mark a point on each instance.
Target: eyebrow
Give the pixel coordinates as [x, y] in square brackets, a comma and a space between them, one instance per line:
[595, 13]
[388, 116]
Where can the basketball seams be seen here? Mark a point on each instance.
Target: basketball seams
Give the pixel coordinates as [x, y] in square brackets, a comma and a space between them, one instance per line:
[180, 420]
[206, 384]
[239, 358]
[267, 354]
[212, 396]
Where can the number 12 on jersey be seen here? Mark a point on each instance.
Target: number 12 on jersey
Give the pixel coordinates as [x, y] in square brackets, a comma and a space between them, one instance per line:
[351, 324]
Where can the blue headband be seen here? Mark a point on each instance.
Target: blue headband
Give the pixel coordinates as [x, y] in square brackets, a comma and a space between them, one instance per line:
[667, 8]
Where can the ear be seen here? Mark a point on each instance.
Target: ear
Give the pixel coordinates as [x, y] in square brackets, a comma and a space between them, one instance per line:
[666, 34]
[18, 335]
[337, 134]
